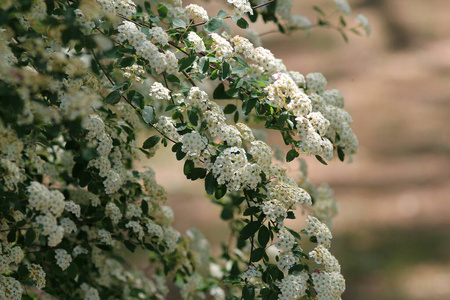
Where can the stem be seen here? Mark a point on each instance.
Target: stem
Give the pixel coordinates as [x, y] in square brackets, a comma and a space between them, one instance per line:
[264, 4]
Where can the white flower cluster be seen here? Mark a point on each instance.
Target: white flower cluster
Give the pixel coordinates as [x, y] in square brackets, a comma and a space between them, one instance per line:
[127, 8]
[318, 229]
[285, 239]
[10, 288]
[221, 46]
[198, 44]
[128, 32]
[63, 259]
[51, 204]
[330, 104]
[193, 144]
[322, 256]
[134, 72]
[241, 7]
[286, 260]
[89, 292]
[293, 286]
[9, 255]
[195, 11]
[325, 207]
[251, 272]
[159, 92]
[38, 275]
[105, 237]
[329, 286]
[232, 168]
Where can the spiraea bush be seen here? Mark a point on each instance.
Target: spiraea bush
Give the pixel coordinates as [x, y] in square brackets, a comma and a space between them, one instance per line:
[80, 79]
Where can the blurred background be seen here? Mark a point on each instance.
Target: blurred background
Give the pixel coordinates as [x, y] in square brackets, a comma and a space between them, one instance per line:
[392, 233]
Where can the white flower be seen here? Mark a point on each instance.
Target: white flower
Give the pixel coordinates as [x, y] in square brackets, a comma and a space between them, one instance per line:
[63, 259]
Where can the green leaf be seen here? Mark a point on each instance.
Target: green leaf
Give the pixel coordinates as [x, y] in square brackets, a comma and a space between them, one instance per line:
[248, 292]
[242, 23]
[319, 158]
[236, 117]
[204, 64]
[151, 142]
[130, 246]
[258, 254]
[30, 236]
[162, 10]
[222, 14]
[213, 25]
[193, 117]
[227, 213]
[11, 237]
[173, 79]
[210, 183]
[226, 71]
[219, 92]
[342, 21]
[249, 105]
[229, 109]
[72, 270]
[179, 23]
[113, 97]
[320, 11]
[251, 211]
[250, 229]
[126, 62]
[291, 155]
[136, 98]
[341, 153]
[144, 207]
[180, 154]
[221, 190]
[186, 62]
[188, 166]
[263, 236]
[297, 268]
[148, 114]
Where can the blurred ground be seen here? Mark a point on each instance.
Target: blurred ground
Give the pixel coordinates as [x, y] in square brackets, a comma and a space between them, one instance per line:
[392, 234]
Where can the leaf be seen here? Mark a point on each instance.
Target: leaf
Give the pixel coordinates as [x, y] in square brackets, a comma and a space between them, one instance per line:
[188, 166]
[144, 207]
[151, 142]
[72, 270]
[186, 62]
[162, 10]
[130, 246]
[263, 236]
[221, 190]
[180, 154]
[341, 153]
[222, 14]
[197, 173]
[226, 71]
[248, 292]
[297, 268]
[113, 97]
[229, 109]
[342, 21]
[291, 155]
[210, 183]
[213, 25]
[242, 23]
[219, 92]
[227, 213]
[11, 237]
[320, 11]
[319, 158]
[249, 105]
[251, 211]
[179, 23]
[136, 98]
[30, 236]
[204, 64]
[236, 117]
[250, 229]
[193, 117]
[258, 254]
[126, 62]
[148, 114]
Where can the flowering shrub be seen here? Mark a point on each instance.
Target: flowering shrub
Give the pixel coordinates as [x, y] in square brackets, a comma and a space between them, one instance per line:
[79, 79]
